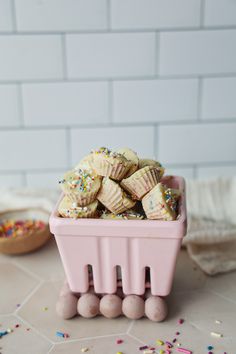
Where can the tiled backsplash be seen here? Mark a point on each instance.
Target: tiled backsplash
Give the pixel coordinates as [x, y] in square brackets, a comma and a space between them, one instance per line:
[155, 75]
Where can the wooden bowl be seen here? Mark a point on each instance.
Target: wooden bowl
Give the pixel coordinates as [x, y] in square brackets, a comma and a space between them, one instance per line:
[30, 241]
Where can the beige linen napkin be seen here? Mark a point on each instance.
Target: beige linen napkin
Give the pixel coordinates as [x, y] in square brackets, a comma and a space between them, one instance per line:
[211, 237]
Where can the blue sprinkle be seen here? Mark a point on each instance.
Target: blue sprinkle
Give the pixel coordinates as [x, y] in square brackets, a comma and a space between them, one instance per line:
[60, 334]
[210, 347]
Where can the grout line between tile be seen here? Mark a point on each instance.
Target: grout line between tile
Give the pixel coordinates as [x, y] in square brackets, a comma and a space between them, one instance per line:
[222, 296]
[6, 314]
[121, 78]
[130, 327]
[64, 57]
[90, 338]
[202, 14]
[13, 14]
[137, 30]
[34, 329]
[31, 293]
[20, 105]
[157, 53]
[136, 338]
[27, 271]
[108, 7]
[52, 347]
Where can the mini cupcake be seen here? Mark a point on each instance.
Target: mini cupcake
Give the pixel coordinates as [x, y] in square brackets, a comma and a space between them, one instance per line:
[81, 186]
[161, 203]
[148, 162]
[112, 196]
[69, 209]
[127, 215]
[132, 157]
[86, 164]
[142, 181]
[110, 164]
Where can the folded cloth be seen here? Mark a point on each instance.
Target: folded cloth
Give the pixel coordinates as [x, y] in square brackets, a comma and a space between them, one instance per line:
[211, 236]
[23, 198]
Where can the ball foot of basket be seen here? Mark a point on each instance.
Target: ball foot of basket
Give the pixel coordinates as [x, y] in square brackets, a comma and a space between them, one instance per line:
[89, 305]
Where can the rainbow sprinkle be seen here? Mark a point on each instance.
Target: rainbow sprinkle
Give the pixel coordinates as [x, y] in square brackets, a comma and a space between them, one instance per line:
[15, 228]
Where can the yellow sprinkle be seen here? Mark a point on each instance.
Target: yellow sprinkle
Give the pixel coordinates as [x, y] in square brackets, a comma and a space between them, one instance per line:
[84, 350]
[160, 342]
[119, 353]
[45, 308]
[215, 334]
[161, 351]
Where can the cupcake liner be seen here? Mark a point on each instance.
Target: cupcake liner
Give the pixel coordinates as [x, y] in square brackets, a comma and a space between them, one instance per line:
[140, 183]
[153, 163]
[113, 197]
[83, 199]
[82, 194]
[68, 210]
[115, 170]
[155, 206]
[132, 158]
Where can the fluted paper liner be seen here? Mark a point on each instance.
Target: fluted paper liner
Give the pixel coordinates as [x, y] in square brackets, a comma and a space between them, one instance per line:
[142, 181]
[67, 210]
[113, 197]
[83, 199]
[112, 167]
[155, 206]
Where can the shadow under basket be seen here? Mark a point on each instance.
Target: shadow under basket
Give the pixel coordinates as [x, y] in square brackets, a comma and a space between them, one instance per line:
[29, 241]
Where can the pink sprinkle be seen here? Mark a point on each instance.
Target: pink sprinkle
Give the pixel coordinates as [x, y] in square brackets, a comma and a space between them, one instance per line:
[119, 341]
[174, 340]
[181, 321]
[66, 335]
[17, 325]
[177, 333]
[210, 352]
[169, 344]
[143, 347]
[183, 350]
[168, 352]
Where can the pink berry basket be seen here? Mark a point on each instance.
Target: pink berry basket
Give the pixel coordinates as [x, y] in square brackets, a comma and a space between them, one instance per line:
[132, 245]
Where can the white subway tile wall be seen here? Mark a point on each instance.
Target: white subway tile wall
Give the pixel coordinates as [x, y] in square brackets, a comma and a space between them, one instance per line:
[9, 105]
[157, 75]
[108, 55]
[6, 20]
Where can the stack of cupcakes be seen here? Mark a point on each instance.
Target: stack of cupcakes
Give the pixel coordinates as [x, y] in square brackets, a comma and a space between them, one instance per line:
[117, 185]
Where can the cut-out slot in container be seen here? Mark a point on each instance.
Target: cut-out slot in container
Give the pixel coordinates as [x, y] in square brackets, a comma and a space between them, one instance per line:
[132, 245]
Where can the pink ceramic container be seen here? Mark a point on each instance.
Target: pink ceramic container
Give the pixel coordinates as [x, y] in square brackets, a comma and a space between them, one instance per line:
[133, 245]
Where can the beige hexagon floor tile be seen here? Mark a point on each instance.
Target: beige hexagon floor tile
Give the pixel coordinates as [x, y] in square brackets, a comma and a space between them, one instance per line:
[105, 345]
[21, 340]
[48, 322]
[188, 276]
[203, 308]
[223, 284]
[200, 310]
[45, 262]
[15, 286]
[190, 336]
